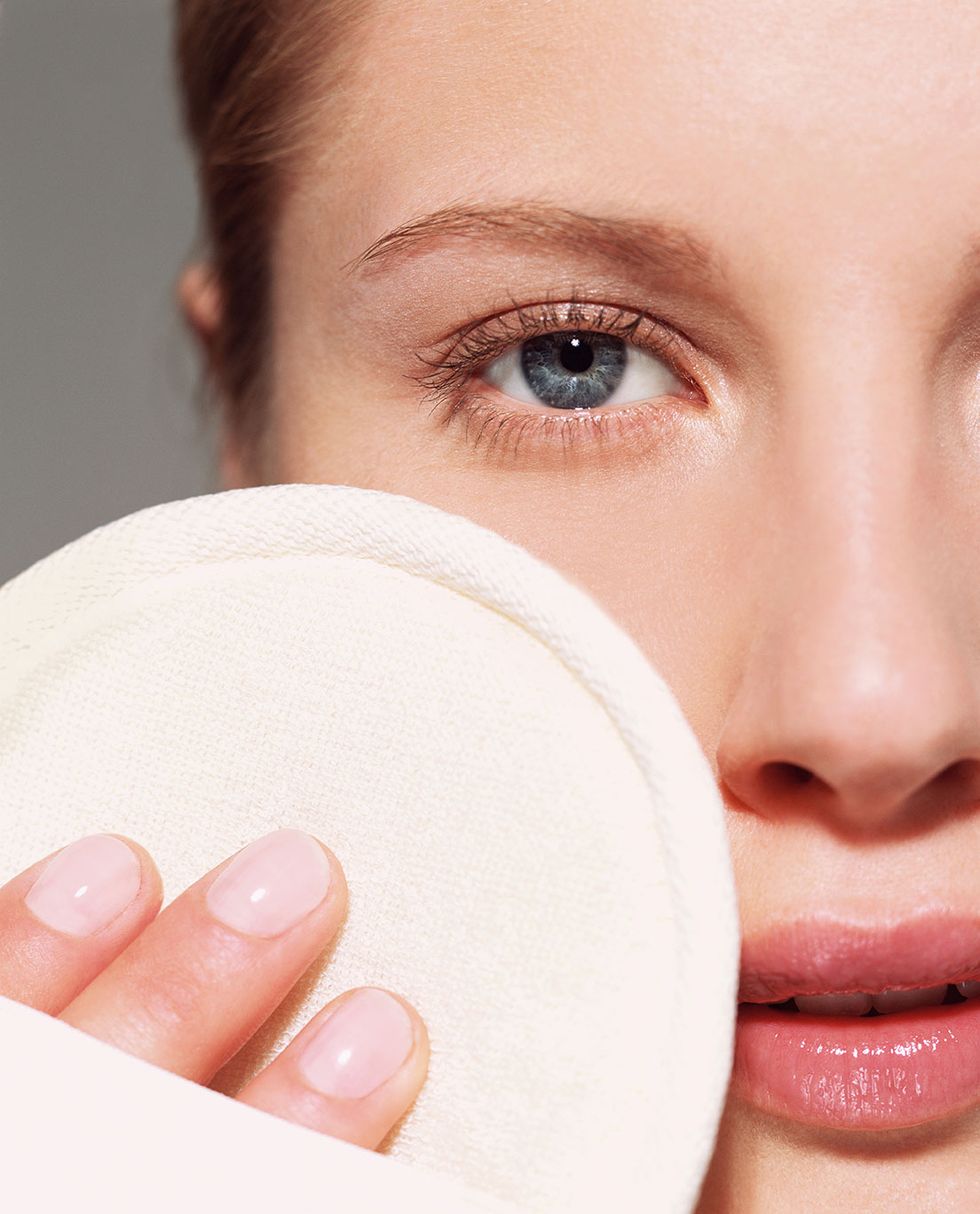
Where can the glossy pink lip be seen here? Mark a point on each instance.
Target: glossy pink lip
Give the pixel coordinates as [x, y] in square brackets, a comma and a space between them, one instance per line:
[858, 1072]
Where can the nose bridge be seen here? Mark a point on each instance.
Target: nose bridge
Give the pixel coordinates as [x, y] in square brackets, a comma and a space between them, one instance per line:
[854, 474]
[854, 692]
[860, 618]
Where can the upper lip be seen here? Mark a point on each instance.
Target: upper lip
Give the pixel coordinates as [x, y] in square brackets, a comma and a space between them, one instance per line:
[824, 955]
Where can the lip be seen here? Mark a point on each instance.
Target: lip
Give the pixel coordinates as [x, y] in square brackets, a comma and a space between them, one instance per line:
[878, 1072]
[823, 955]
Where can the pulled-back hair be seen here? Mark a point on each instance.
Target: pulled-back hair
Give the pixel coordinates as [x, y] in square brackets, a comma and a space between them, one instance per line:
[253, 76]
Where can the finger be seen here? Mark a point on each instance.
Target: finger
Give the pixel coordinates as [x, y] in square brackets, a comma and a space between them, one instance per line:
[352, 1072]
[64, 919]
[202, 978]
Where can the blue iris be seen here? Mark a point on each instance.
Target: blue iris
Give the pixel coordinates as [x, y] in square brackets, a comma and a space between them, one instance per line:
[573, 370]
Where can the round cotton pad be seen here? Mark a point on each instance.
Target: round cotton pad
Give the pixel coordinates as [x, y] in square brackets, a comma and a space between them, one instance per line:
[533, 840]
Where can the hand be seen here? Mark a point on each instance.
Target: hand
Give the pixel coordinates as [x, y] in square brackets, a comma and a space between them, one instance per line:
[82, 938]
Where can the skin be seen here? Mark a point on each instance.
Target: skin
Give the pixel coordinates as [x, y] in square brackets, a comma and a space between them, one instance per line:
[797, 556]
[791, 542]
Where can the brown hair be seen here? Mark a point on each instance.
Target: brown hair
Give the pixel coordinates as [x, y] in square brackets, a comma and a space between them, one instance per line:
[253, 75]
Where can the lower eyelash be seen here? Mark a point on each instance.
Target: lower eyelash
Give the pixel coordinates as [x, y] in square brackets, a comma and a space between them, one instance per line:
[505, 430]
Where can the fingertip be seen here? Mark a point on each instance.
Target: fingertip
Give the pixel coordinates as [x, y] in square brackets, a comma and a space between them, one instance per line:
[70, 914]
[339, 891]
[354, 1070]
[151, 883]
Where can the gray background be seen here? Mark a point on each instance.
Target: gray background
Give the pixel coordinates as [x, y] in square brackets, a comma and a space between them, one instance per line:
[97, 214]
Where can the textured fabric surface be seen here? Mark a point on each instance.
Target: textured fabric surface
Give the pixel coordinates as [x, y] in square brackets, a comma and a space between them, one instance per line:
[533, 841]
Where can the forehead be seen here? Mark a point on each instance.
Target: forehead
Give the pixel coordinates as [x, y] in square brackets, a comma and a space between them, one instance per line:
[855, 123]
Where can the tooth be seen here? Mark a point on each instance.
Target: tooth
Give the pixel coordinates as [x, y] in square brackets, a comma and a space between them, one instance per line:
[834, 1005]
[969, 990]
[899, 1001]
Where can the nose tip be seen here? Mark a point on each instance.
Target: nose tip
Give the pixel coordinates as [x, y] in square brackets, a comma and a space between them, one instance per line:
[878, 796]
[873, 729]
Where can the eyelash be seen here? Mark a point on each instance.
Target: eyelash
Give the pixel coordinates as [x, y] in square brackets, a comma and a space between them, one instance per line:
[475, 347]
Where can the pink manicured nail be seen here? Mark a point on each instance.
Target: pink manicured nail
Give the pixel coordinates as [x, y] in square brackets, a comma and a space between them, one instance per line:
[271, 884]
[86, 885]
[359, 1045]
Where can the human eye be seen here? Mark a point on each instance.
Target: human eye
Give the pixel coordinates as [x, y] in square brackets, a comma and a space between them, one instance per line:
[561, 373]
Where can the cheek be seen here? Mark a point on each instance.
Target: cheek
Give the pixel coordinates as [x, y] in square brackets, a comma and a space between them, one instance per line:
[662, 577]
[653, 552]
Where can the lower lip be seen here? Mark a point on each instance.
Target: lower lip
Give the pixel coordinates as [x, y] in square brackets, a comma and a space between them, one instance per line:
[859, 1072]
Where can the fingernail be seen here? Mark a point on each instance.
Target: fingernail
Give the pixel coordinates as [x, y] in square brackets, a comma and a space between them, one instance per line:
[272, 884]
[86, 885]
[359, 1046]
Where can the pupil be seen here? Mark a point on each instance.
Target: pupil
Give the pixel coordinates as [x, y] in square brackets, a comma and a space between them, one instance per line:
[576, 355]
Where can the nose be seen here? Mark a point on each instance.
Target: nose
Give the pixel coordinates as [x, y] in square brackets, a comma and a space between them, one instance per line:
[856, 698]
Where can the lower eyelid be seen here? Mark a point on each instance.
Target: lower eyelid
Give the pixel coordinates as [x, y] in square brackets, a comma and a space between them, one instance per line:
[645, 428]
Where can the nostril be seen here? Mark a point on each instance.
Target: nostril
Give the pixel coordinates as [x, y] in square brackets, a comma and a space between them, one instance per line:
[957, 784]
[781, 777]
[957, 775]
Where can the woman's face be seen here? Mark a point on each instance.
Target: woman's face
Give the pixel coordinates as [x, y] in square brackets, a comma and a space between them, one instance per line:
[761, 219]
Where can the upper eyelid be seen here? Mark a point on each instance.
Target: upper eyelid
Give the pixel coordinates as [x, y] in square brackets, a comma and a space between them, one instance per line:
[545, 318]
[672, 346]
[575, 297]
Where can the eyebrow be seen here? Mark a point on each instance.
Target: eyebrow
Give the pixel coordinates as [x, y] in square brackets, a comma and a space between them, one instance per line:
[641, 245]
